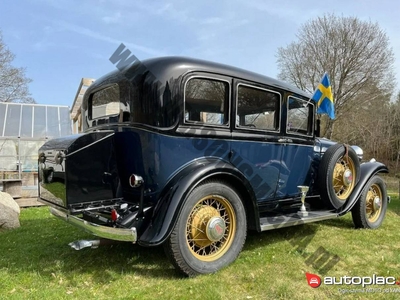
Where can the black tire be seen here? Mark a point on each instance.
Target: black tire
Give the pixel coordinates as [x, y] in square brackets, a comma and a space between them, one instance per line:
[334, 186]
[192, 248]
[365, 214]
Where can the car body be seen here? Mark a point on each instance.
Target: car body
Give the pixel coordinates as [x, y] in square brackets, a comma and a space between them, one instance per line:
[191, 154]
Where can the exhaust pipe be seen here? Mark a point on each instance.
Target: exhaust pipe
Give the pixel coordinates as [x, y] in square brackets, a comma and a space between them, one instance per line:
[81, 244]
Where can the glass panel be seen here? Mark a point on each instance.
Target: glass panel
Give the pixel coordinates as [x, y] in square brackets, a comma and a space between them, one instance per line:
[257, 108]
[8, 155]
[28, 151]
[298, 116]
[206, 101]
[2, 115]
[12, 122]
[52, 122]
[26, 122]
[65, 121]
[39, 123]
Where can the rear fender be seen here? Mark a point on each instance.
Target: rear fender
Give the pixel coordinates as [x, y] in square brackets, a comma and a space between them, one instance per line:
[175, 193]
[367, 170]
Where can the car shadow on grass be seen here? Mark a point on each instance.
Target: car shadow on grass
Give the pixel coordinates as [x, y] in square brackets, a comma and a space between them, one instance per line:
[264, 239]
[41, 246]
[394, 206]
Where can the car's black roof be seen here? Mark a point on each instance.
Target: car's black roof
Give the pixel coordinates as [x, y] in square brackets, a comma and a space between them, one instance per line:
[182, 65]
[165, 68]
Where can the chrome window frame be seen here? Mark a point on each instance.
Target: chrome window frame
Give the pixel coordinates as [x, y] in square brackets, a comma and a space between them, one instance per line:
[237, 126]
[309, 102]
[199, 123]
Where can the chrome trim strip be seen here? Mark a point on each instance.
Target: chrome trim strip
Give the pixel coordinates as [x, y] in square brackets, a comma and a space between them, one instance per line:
[111, 233]
[291, 221]
[95, 142]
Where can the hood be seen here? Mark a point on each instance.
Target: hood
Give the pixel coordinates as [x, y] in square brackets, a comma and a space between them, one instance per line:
[322, 144]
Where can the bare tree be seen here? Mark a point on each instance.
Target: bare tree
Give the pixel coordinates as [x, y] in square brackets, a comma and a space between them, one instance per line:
[368, 124]
[394, 121]
[13, 82]
[356, 54]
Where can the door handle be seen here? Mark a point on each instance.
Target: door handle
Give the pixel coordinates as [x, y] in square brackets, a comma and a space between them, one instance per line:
[285, 141]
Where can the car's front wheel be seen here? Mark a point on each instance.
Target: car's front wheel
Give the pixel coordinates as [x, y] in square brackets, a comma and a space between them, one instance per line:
[370, 209]
[210, 231]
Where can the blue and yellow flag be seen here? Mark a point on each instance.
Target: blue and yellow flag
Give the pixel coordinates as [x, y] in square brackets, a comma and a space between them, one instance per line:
[324, 98]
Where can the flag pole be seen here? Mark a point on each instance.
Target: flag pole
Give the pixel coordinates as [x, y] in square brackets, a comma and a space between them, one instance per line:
[315, 90]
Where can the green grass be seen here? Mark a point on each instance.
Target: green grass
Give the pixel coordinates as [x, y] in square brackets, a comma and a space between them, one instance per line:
[36, 263]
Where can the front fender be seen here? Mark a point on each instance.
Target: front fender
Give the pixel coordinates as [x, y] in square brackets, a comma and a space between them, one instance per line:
[175, 193]
[367, 170]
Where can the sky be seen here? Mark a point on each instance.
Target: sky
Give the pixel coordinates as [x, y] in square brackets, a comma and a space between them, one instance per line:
[61, 41]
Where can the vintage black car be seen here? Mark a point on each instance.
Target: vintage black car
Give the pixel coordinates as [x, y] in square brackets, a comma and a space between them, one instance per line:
[192, 154]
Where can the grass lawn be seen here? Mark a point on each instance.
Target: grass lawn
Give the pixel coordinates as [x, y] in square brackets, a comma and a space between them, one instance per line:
[36, 263]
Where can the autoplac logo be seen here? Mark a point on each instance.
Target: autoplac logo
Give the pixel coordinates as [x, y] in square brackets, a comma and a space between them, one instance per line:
[315, 281]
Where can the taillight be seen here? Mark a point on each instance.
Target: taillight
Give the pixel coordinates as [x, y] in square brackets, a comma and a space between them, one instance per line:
[114, 215]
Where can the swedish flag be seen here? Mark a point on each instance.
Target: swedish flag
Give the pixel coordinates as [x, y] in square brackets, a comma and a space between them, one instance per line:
[324, 98]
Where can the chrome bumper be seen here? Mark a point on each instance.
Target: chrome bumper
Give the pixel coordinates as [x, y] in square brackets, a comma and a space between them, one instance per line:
[111, 233]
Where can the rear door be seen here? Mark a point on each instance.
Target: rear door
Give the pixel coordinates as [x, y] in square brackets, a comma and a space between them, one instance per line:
[256, 150]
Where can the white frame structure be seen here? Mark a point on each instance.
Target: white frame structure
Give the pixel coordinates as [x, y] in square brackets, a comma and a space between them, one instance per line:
[42, 122]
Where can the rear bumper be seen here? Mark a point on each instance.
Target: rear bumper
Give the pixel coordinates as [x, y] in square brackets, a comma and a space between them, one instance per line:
[111, 233]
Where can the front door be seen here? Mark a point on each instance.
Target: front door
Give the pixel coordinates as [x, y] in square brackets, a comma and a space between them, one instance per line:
[297, 151]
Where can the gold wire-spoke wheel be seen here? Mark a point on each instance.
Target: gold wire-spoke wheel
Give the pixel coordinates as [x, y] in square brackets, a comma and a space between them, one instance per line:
[370, 209]
[373, 203]
[210, 228]
[344, 177]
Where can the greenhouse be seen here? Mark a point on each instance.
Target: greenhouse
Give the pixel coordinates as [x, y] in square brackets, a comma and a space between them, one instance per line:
[23, 130]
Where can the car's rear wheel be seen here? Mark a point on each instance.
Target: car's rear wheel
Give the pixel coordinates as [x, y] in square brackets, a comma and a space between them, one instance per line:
[370, 209]
[210, 230]
[338, 174]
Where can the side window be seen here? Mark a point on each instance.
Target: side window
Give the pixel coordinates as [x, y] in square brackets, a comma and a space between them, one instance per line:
[257, 108]
[207, 101]
[299, 119]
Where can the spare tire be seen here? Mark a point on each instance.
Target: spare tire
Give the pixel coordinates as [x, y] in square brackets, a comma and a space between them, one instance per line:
[338, 174]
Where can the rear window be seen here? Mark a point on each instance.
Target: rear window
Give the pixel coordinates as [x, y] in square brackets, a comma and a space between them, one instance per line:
[142, 100]
[105, 103]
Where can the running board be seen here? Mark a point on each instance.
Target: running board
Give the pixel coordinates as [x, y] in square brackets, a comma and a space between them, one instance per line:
[280, 221]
